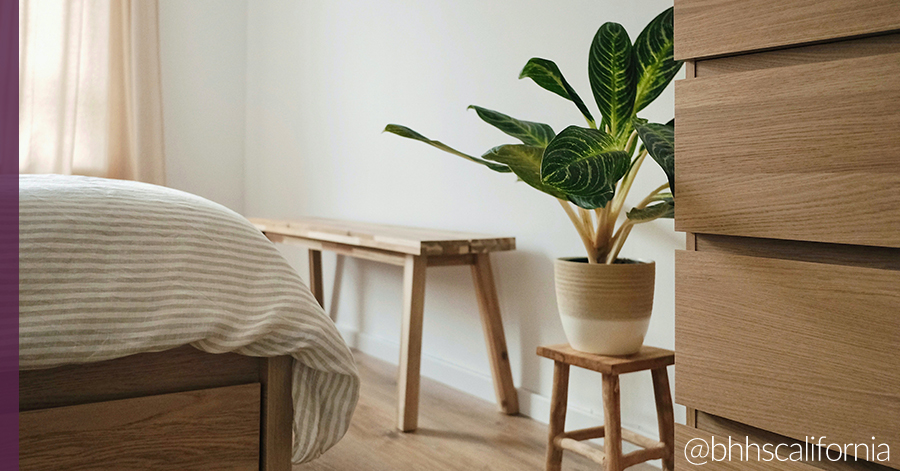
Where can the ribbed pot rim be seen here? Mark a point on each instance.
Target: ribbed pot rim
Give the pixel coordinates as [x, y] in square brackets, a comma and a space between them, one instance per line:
[584, 260]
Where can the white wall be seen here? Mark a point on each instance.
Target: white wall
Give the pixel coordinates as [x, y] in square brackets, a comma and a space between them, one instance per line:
[203, 52]
[323, 79]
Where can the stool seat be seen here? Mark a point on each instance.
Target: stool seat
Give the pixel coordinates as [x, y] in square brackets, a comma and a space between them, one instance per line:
[647, 358]
[611, 457]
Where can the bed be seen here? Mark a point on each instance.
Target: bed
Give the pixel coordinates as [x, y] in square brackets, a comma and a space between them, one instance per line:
[159, 330]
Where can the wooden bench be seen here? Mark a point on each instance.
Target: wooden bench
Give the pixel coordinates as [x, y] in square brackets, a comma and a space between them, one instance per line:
[414, 250]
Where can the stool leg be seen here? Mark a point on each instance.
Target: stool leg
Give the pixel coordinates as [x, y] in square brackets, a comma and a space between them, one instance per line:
[315, 276]
[665, 415]
[558, 404]
[613, 423]
[411, 343]
[486, 292]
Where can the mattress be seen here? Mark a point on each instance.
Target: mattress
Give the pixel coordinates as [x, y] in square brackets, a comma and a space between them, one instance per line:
[110, 268]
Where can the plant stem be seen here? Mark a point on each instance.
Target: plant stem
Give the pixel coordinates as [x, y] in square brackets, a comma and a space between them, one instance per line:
[582, 232]
[601, 237]
[649, 198]
[619, 241]
[588, 223]
[629, 146]
[625, 187]
[623, 232]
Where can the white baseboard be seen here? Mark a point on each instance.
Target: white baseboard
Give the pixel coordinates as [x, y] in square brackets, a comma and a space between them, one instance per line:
[531, 404]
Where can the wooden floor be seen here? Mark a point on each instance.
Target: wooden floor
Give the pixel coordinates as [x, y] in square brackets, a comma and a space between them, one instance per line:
[456, 432]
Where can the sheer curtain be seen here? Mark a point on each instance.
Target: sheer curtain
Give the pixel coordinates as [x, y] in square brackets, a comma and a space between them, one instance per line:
[90, 100]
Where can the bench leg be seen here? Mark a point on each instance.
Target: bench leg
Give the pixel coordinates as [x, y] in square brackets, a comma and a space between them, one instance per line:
[411, 343]
[665, 415]
[613, 422]
[558, 403]
[315, 276]
[486, 292]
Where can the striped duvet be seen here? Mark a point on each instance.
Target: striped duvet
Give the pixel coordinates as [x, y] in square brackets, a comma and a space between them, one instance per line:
[110, 268]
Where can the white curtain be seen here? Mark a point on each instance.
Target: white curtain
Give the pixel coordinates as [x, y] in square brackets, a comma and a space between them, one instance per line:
[90, 100]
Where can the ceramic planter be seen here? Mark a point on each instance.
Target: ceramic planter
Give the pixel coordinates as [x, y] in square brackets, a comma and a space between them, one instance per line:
[605, 309]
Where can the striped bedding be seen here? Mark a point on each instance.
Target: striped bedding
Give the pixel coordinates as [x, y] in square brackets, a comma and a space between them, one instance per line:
[110, 268]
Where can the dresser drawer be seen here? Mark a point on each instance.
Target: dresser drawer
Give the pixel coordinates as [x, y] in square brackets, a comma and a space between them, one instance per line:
[806, 152]
[705, 28]
[796, 348]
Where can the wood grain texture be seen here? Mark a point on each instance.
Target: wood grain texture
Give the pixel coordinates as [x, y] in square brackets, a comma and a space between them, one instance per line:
[647, 358]
[795, 348]
[612, 422]
[559, 401]
[405, 240]
[145, 374]
[452, 260]
[775, 154]
[315, 276]
[592, 453]
[375, 255]
[723, 428]
[195, 430]
[492, 325]
[870, 46]
[457, 432]
[705, 28]
[836, 254]
[665, 415]
[277, 413]
[411, 343]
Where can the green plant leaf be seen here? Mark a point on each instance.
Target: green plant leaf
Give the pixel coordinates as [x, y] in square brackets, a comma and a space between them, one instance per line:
[666, 209]
[659, 140]
[547, 75]
[612, 76]
[654, 59]
[525, 162]
[532, 134]
[408, 133]
[585, 165]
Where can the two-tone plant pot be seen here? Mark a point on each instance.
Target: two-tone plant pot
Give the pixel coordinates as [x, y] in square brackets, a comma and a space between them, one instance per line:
[605, 309]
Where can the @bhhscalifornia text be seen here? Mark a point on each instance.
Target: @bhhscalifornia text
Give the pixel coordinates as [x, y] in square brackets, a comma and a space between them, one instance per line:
[699, 451]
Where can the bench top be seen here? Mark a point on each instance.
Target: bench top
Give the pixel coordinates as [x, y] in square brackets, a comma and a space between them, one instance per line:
[399, 239]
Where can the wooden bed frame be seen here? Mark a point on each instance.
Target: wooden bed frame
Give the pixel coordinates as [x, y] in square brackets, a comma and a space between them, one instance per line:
[181, 409]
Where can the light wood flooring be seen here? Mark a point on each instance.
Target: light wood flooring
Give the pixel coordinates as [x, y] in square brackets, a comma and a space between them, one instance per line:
[456, 432]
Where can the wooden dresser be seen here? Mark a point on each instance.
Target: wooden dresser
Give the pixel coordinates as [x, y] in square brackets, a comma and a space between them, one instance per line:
[788, 185]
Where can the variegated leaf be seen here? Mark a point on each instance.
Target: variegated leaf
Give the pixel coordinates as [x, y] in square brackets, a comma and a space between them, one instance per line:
[525, 162]
[612, 76]
[532, 134]
[666, 209]
[584, 164]
[659, 140]
[408, 133]
[653, 54]
[546, 74]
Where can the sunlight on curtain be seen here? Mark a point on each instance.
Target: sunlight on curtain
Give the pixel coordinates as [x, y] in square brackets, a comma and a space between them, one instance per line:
[89, 89]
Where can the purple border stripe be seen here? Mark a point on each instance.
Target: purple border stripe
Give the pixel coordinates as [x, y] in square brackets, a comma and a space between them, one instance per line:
[9, 235]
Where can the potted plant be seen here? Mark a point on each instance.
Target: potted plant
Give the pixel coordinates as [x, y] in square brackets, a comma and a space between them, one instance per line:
[604, 301]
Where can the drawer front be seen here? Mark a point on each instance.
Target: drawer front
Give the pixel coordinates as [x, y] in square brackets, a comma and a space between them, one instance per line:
[705, 28]
[806, 152]
[196, 430]
[799, 349]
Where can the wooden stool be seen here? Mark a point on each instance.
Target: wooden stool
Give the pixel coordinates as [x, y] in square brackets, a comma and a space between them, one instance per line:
[611, 459]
